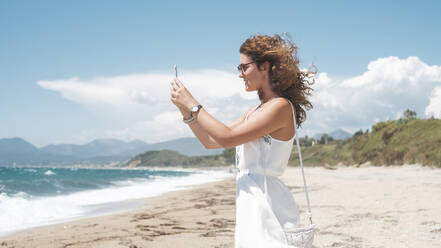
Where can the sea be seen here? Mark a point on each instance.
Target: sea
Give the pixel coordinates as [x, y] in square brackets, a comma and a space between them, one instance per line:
[37, 196]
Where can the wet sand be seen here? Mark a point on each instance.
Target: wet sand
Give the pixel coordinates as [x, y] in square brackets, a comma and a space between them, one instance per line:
[398, 206]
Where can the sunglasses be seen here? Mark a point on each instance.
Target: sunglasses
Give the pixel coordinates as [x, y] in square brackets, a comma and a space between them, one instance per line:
[243, 67]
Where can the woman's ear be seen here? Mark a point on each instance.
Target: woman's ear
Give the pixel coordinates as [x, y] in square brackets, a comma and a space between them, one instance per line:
[265, 66]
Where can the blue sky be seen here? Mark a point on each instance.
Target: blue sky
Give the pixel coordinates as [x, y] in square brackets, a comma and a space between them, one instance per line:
[74, 71]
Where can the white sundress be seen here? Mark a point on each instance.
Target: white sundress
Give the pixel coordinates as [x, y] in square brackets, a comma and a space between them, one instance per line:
[260, 217]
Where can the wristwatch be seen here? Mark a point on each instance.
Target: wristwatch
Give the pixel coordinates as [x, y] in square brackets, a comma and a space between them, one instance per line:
[193, 111]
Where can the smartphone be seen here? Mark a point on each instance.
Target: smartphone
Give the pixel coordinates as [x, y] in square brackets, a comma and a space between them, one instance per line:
[176, 70]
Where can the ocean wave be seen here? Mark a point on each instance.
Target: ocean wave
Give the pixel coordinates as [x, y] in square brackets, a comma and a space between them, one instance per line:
[20, 211]
[21, 194]
[49, 173]
[131, 181]
[30, 170]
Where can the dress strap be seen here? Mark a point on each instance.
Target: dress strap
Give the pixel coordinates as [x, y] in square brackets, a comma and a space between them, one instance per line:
[293, 115]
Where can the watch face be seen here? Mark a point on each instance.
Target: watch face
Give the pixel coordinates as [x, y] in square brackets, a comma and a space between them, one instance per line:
[196, 108]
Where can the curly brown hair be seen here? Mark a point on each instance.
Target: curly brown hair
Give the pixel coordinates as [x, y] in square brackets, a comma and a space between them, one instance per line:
[286, 79]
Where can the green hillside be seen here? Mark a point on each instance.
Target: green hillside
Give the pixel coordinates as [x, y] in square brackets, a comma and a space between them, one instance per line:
[404, 141]
[171, 158]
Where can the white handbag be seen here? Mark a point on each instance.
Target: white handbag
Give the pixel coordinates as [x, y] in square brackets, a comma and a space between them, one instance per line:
[300, 237]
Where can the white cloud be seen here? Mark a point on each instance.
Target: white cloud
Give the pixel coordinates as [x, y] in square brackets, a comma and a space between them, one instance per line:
[146, 88]
[165, 126]
[388, 87]
[434, 107]
[142, 101]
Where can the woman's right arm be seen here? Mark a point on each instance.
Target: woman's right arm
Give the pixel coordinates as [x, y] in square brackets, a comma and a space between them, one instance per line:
[207, 141]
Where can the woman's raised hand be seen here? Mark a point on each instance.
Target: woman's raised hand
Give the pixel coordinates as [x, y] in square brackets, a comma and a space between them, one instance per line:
[180, 96]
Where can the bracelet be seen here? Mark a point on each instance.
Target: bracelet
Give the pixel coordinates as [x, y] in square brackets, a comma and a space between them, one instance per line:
[189, 120]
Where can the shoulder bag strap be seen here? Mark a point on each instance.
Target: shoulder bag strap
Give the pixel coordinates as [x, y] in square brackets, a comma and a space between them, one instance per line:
[301, 166]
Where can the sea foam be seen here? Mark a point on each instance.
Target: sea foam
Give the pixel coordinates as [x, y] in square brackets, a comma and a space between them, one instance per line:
[20, 211]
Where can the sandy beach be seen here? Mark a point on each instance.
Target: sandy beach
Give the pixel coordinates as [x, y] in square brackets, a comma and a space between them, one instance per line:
[396, 206]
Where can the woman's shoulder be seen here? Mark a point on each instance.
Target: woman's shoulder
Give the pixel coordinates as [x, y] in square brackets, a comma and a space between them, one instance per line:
[281, 100]
[276, 107]
[282, 108]
[280, 103]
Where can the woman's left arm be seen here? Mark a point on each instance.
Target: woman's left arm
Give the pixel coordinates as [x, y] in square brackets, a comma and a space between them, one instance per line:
[268, 120]
[262, 122]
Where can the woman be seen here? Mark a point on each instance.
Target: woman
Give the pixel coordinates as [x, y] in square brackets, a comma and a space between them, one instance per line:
[263, 137]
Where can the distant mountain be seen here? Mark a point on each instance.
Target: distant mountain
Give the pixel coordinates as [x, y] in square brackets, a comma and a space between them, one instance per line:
[16, 145]
[114, 147]
[99, 148]
[19, 151]
[185, 146]
[171, 158]
[338, 134]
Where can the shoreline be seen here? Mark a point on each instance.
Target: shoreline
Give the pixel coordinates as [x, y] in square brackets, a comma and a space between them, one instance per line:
[97, 202]
[84, 232]
[97, 210]
[371, 206]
